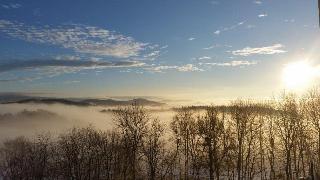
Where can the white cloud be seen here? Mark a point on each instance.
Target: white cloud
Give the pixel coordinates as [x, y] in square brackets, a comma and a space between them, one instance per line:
[219, 31]
[250, 26]
[211, 47]
[289, 20]
[151, 56]
[257, 2]
[188, 67]
[204, 58]
[217, 46]
[161, 68]
[71, 82]
[240, 63]
[50, 68]
[67, 57]
[183, 68]
[11, 6]
[232, 63]
[262, 15]
[80, 38]
[191, 38]
[164, 47]
[267, 50]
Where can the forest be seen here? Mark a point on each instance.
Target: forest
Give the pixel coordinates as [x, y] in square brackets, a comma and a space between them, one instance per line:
[244, 140]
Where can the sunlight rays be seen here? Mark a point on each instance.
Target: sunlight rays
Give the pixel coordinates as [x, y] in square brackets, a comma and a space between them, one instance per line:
[298, 76]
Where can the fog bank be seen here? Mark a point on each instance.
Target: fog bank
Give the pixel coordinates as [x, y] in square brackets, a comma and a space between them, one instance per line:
[31, 119]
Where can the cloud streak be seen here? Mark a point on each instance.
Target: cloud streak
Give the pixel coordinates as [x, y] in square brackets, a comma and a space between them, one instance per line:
[76, 65]
[257, 2]
[262, 15]
[217, 46]
[219, 31]
[80, 38]
[183, 68]
[240, 63]
[11, 6]
[204, 58]
[267, 50]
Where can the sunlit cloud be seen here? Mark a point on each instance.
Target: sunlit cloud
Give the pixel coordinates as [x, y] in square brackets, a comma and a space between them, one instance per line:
[51, 68]
[240, 63]
[164, 47]
[183, 68]
[17, 79]
[152, 55]
[191, 38]
[224, 29]
[217, 46]
[289, 20]
[250, 26]
[68, 57]
[71, 82]
[217, 32]
[262, 15]
[257, 2]
[80, 38]
[267, 50]
[204, 58]
[11, 6]
[188, 67]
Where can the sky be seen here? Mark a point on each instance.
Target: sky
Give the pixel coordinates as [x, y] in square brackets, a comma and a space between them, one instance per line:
[192, 50]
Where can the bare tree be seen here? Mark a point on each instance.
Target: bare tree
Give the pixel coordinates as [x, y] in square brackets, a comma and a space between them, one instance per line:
[153, 148]
[287, 121]
[132, 124]
[181, 126]
[212, 130]
[243, 118]
[25, 159]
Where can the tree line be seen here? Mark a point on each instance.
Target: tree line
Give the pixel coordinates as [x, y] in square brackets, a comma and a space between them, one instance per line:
[276, 139]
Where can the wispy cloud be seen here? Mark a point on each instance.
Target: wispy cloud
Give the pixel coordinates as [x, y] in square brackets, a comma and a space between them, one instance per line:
[217, 32]
[164, 47]
[151, 56]
[231, 64]
[267, 50]
[68, 57]
[39, 69]
[204, 58]
[257, 2]
[11, 6]
[262, 15]
[191, 38]
[188, 67]
[183, 68]
[9, 80]
[80, 38]
[216, 46]
[71, 82]
[71, 65]
[289, 20]
[224, 29]
[250, 26]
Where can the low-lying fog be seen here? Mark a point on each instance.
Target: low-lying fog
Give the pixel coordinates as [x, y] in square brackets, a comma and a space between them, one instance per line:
[29, 120]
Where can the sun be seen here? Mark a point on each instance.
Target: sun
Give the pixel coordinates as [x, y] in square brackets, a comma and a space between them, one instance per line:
[298, 75]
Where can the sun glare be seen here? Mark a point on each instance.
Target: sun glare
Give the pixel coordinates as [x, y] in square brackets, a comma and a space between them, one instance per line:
[298, 75]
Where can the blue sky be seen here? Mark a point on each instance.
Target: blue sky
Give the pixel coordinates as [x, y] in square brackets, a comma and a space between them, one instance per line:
[200, 50]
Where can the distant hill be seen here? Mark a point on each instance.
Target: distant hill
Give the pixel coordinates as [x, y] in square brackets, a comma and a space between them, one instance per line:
[80, 102]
